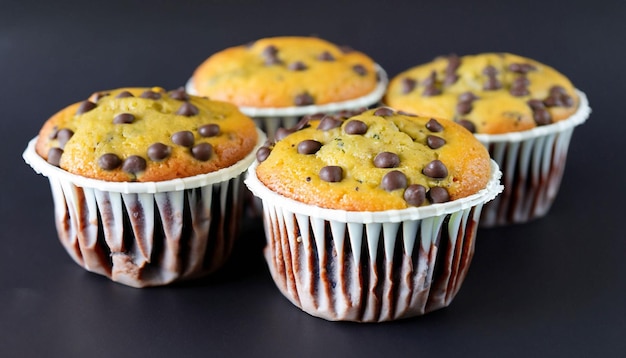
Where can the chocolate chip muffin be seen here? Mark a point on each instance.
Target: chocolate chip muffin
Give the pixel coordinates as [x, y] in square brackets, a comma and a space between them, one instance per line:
[344, 197]
[146, 182]
[277, 80]
[524, 111]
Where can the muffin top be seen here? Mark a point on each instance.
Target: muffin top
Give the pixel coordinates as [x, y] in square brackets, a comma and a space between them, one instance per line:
[146, 135]
[374, 161]
[282, 72]
[489, 93]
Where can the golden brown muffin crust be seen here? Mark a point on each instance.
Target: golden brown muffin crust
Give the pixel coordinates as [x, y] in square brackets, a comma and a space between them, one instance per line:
[146, 134]
[489, 93]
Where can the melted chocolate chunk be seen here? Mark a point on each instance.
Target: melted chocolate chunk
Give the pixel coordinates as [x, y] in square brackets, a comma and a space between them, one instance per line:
[469, 125]
[63, 136]
[434, 126]
[85, 107]
[326, 56]
[450, 79]
[435, 169]
[360, 70]
[431, 80]
[558, 97]
[467, 97]
[492, 84]
[542, 116]
[150, 95]
[202, 151]
[431, 91]
[179, 94]
[297, 66]
[159, 151]
[415, 194]
[124, 94]
[393, 180]
[438, 195]
[386, 160]
[355, 126]
[331, 173]
[328, 123]
[535, 104]
[109, 161]
[490, 71]
[209, 130]
[464, 107]
[384, 112]
[187, 109]
[435, 142]
[303, 99]
[454, 61]
[522, 67]
[408, 85]
[262, 153]
[134, 164]
[183, 138]
[54, 156]
[124, 118]
[309, 146]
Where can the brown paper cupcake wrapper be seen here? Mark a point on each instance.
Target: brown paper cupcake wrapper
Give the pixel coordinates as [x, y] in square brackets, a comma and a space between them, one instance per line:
[532, 163]
[270, 119]
[370, 266]
[147, 234]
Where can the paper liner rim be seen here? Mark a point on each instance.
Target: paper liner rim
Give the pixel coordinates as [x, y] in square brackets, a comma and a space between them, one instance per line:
[579, 117]
[41, 166]
[363, 101]
[491, 190]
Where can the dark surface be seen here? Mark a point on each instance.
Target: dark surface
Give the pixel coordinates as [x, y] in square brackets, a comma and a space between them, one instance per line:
[555, 287]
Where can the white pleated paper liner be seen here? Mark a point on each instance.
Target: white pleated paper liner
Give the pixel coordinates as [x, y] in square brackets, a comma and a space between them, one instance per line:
[370, 266]
[147, 234]
[270, 119]
[532, 163]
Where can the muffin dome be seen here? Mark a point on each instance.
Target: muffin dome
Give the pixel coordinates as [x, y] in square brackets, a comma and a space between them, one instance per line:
[489, 93]
[146, 134]
[377, 160]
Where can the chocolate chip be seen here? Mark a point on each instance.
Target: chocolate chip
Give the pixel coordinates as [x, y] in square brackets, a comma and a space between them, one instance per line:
[328, 123]
[262, 153]
[393, 180]
[85, 107]
[100, 95]
[124, 94]
[386, 160]
[415, 194]
[355, 127]
[297, 66]
[281, 133]
[312, 117]
[346, 49]
[521, 81]
[309, 146]
[450, 79]
[557, 90]
[434, 126]
[558, 98]
[187, 109]
[453, 63]
[435, 169]
[184, 138]
[490, 71]
[202, 151]
[408, 85]
[331, 173]
[469, 125]
[134, 164]
[535, 104]
[519, 91]
[150, 95]
[521, 67]
[109, 161]
[326, 56]
[53, 133]
[159, 151]
[303, 99]
[438, 195]
[270, 54]
[431, 80]
[435, 142]
[467, 97]
[64, 135]
[54, 156]
[492, 84]
[384, 112]
[542, 116]
[404, 113]
[123, 118]
[209, 130]
[360, 70]
[304, 121]
[464, 107]
[179, 94]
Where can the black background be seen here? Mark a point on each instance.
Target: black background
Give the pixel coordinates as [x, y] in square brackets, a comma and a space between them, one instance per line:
[555, 287]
